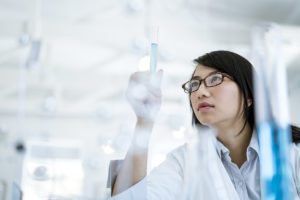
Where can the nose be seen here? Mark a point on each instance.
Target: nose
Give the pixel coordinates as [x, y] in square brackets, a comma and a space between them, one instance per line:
[202, 91]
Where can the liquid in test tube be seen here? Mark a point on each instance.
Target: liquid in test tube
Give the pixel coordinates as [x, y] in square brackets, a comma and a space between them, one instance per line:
[154, 49]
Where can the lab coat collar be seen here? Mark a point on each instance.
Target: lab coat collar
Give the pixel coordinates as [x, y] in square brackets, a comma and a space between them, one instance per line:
[254, 143]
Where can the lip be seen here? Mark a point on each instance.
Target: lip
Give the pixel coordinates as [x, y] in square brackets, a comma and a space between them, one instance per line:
[204, 106]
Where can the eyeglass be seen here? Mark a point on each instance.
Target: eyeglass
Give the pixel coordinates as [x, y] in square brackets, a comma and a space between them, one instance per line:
[211, 80]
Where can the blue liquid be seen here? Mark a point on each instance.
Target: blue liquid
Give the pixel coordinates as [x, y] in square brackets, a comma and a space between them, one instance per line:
[276, 175]
[153, 57]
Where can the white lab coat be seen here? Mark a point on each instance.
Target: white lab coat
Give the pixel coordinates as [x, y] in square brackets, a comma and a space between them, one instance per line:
[166, 182]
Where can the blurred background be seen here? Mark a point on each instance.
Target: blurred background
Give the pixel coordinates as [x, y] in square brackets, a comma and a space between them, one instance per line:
[64, 68]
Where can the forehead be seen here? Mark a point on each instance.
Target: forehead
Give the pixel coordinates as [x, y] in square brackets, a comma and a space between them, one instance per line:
[203, 71]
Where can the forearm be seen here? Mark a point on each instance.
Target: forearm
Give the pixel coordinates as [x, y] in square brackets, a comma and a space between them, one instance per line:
[134, 167]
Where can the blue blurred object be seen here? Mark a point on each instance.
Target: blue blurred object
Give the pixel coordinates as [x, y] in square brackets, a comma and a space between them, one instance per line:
[275, 169]
[272, 118]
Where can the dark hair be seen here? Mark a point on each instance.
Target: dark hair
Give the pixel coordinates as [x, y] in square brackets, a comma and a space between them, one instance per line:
[241, 70]
[295, 134]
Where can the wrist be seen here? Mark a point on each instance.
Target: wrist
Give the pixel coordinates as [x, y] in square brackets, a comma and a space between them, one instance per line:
[144, 124]
[142, 135]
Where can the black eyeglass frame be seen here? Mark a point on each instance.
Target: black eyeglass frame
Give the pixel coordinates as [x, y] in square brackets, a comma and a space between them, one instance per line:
[203, 79]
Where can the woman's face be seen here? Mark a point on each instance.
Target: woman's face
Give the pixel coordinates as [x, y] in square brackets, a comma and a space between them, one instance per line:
[219, 105]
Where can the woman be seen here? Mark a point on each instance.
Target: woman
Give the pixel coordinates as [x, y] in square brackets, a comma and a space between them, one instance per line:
[221, 96]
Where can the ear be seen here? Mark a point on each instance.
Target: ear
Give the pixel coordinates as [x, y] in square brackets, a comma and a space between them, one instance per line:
[249, 102]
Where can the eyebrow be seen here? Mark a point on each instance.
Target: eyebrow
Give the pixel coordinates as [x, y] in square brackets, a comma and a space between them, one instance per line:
[198, 77]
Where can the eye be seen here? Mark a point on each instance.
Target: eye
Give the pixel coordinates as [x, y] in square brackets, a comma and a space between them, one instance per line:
[194, 83]
[214, 79]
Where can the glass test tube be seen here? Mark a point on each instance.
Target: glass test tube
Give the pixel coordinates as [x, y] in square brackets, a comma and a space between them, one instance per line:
[154, 49]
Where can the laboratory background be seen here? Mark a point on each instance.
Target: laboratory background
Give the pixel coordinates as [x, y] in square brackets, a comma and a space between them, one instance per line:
[64, 70]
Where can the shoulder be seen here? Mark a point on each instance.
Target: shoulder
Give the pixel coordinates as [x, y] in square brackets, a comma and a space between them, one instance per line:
[177, 157]
[295, 161]
[295, 158]
[295, 151]
[179, 152]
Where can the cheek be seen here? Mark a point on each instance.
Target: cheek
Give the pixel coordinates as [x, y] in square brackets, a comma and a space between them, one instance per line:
[229, 100]
[193, 101]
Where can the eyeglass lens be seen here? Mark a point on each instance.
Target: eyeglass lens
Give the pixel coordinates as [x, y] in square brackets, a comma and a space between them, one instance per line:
[210, 81]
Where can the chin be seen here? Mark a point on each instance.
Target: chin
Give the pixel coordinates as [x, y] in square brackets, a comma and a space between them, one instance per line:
[206, 122]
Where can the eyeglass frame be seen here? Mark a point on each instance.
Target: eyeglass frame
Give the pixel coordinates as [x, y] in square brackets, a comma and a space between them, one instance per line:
[203, 79]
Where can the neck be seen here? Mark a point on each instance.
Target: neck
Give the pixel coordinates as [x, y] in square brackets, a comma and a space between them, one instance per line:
[235, 141]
